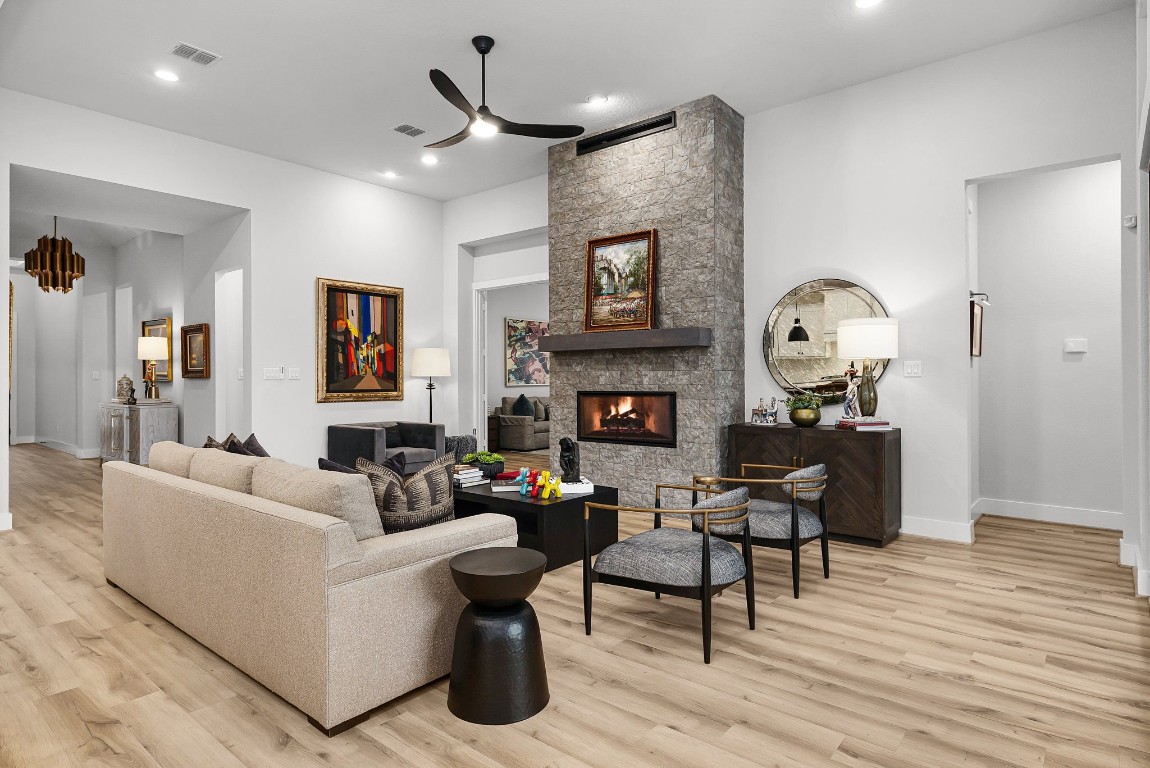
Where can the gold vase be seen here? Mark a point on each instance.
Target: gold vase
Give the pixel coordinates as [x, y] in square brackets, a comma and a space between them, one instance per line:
[805, 417]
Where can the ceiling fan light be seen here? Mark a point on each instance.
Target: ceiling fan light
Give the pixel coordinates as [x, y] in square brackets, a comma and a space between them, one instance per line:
[429, 159]
[597, 100]
[482, 128]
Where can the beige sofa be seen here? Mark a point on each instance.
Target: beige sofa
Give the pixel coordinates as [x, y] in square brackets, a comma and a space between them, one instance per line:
[522, 433]
[335, 625]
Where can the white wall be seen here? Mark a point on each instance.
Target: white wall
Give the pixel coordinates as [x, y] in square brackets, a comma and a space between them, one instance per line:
[868, 184]
[304, 224]
[1050, 423]
[521, 302]
[233, 384]
[508, 216]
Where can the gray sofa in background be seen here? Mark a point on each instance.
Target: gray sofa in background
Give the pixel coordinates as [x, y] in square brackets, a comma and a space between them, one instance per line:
[420, 443]
[522, 433]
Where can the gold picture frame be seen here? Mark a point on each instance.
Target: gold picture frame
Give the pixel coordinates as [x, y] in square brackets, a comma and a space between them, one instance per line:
[196, 351]
[358, 341]
[161, 327]
[619, 291]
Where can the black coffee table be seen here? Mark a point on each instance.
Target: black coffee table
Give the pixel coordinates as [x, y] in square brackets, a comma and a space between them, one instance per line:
[498, 675]
[551, 526]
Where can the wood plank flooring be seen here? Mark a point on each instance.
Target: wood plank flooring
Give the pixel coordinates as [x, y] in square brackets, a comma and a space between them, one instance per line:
[1026, 649]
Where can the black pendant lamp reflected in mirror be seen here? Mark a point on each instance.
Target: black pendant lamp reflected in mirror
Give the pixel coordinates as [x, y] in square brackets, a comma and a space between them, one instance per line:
[798, 332]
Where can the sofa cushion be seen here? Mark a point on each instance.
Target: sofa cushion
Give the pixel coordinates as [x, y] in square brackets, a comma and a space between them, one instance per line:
[334, 466]
[238, 448]
[671, 556]
[422, 499]
[171, 457]
[523, 407]
[508, 407]
[224, 470]
[348, 497]
[540, 409]
[253, 446]
[542, 426]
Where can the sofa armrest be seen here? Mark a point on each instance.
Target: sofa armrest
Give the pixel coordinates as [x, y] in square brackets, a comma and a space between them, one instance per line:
[516, 421]
[413, 434]
[399, 550]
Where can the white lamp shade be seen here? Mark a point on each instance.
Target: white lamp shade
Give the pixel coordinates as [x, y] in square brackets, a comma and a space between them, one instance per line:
[873, 337]
[431, 361]
[151, 348]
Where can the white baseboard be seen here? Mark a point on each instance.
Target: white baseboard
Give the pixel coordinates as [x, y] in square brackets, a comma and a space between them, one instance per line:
[5, 521]
[1129, 554]
[22, 440]
[938, 529]
[1050, 513]
[74, 450]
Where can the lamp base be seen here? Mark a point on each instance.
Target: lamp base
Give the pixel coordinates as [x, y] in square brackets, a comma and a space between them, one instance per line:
[868, 392]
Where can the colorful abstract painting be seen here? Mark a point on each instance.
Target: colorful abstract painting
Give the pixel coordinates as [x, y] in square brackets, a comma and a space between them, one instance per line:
[527, 366]
[620, 282]
[359, 342]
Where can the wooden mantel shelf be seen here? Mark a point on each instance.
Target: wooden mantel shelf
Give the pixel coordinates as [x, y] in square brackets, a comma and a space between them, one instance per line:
[656, 337]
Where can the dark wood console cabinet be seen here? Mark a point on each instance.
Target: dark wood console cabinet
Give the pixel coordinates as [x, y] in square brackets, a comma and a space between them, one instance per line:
[864, 487]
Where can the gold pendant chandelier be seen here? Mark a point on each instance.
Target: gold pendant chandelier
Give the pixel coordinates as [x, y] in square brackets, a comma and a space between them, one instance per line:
[53, 263]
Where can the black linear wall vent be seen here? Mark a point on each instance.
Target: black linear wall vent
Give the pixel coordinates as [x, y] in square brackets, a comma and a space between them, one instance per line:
[626, 133]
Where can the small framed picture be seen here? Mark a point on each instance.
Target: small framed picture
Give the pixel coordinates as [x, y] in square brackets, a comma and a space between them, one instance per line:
[195, 352]
[975, 329]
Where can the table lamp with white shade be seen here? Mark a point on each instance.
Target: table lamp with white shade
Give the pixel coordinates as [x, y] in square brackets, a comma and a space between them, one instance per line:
[869, 339]
[151, 349]
[429, 362]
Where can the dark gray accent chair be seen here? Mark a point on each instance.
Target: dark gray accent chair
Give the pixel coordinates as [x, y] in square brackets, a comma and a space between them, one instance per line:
[697, 564]
[460, 445]
[784, 524]
[376, 441]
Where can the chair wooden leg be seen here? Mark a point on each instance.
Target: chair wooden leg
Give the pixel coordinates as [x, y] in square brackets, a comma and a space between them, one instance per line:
[658, 595]
[795, 565]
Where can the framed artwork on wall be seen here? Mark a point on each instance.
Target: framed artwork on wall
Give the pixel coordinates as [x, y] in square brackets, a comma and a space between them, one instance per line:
[975, 329]
[359, 342]
[620, 286]
[525, 363]
[195, 352]
[161, 327]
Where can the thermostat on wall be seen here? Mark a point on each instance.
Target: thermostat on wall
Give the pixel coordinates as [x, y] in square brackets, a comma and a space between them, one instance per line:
[1074, 345]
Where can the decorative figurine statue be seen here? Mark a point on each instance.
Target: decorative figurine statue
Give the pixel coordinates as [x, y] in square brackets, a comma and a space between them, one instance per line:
[123, 388]
[550, 485]
[529, 482]
[851, 399]
[772, 414]
[569, 460]
[131, 396]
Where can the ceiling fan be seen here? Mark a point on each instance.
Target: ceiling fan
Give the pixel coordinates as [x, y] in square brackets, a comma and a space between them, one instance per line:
[481, 121]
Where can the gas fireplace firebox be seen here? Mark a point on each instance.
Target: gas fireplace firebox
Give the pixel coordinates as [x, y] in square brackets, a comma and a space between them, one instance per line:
[632, 418]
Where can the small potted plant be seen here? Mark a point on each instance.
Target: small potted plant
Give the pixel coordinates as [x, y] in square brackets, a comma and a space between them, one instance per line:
[804, 409]
[490, 464]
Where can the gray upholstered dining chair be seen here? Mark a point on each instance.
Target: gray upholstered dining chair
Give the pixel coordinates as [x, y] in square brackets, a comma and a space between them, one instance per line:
[783, 524]
[678, 561]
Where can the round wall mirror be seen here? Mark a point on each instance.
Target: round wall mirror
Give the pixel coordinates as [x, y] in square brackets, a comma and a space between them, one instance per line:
[799, 339]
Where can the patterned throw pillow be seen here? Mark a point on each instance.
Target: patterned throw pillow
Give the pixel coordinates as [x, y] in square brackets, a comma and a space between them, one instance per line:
[211, 442]
[815, 470]
[418, 501]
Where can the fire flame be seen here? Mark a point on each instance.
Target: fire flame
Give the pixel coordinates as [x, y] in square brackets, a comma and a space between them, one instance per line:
[624, 405]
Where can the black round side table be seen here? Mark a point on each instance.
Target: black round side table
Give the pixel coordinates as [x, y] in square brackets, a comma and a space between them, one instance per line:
[498, 675]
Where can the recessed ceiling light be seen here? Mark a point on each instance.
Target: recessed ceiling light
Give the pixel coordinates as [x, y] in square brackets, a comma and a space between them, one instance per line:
[483, 129]
[597, 100]
[429, 159]
[167, 74]
[390, 175]
[866, 3]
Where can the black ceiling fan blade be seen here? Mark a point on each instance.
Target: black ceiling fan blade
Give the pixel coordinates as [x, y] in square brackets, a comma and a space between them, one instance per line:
[449, 91]
[451, 141]
[534, 130]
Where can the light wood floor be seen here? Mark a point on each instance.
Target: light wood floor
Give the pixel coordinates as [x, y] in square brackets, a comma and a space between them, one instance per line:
[1025, 649]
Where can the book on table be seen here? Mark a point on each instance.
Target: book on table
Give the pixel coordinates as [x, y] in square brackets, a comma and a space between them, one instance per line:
[468, 483]
[505, 486]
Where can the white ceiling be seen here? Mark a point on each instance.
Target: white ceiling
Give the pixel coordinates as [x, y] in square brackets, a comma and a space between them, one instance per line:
[322, 84]
[27, 227]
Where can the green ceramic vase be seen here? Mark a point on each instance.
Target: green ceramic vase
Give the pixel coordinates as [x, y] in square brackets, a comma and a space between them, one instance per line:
[805, 417]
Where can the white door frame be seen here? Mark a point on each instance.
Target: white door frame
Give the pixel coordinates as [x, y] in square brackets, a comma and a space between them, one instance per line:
[479, 343]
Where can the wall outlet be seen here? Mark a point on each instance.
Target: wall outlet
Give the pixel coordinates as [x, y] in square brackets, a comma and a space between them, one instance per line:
[241, 376]
[293, 374]
[1074, 346]
[95, 375]
[276, 374]
[912, 369]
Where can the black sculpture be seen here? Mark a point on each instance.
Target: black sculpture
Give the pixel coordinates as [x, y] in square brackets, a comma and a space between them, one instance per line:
[569, 460]
[131, 396]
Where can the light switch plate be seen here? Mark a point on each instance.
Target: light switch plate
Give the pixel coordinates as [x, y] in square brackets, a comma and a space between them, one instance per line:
[912, 368]
[241, 376]
[95, 375]
[293, 374]
[273, 374]
[1074, 346]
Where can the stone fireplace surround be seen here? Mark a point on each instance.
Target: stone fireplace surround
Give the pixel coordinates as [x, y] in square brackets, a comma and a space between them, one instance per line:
[686, 182]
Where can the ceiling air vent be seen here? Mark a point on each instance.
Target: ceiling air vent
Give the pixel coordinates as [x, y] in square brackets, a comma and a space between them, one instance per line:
[409, 130]
[194, 54]
[626, 133]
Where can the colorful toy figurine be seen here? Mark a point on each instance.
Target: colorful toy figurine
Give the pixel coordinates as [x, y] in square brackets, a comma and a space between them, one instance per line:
[528, 487]
[551, 486]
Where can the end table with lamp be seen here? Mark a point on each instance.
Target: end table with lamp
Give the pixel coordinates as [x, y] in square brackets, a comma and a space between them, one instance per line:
[431, 362]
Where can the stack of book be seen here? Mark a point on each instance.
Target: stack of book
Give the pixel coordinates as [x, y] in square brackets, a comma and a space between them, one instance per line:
[463, 475]
[864, 425]
[506, 485]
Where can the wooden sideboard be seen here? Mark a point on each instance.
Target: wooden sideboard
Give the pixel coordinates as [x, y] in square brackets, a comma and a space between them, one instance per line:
[128, 432]
[864, 484]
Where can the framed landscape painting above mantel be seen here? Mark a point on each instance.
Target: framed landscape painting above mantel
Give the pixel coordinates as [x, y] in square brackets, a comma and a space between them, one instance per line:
[526, 364]
[161, 327]
[359, 341]
[620, 285]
